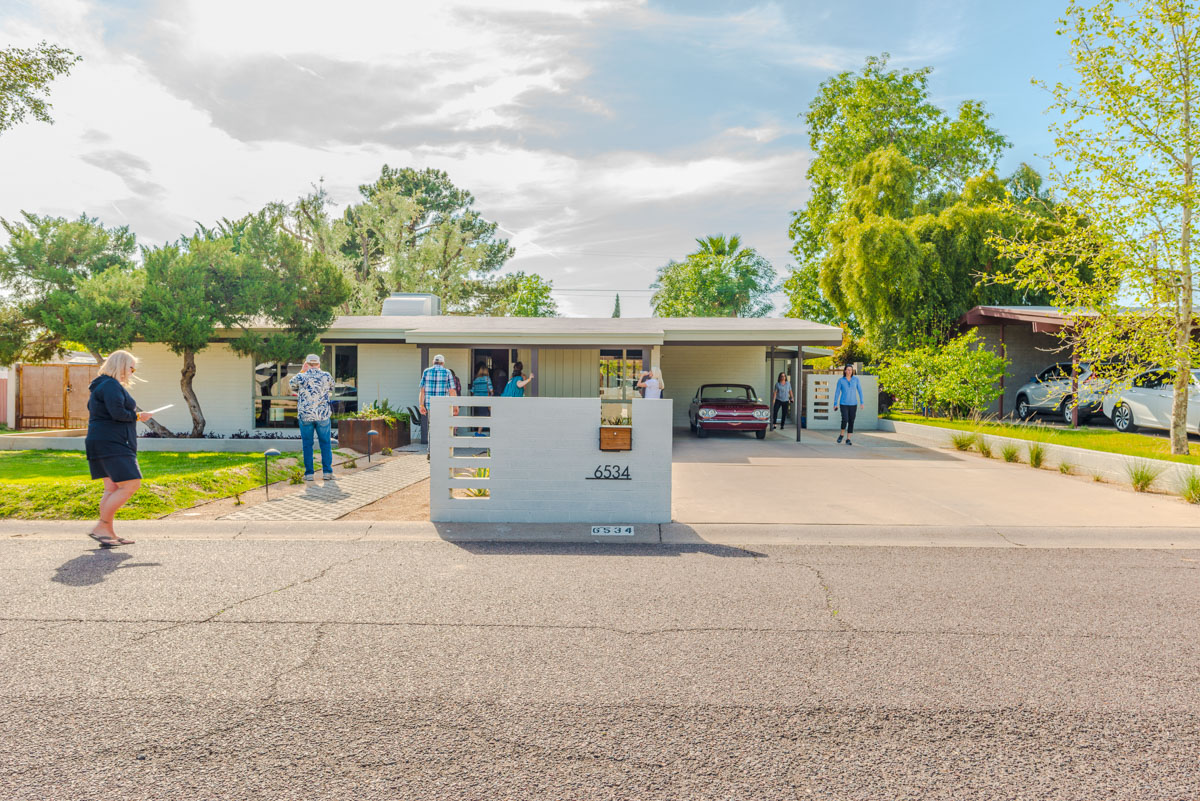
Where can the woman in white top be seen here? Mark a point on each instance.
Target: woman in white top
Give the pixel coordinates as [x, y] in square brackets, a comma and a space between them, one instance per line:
[652, 382]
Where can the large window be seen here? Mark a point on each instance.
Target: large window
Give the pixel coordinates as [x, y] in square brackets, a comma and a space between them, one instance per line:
[619, 373]
[274, 404]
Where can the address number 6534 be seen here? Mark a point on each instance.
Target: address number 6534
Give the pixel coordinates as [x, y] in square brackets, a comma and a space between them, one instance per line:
[611, 472]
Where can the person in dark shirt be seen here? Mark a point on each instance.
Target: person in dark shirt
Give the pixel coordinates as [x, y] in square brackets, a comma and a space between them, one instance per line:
[111, 443]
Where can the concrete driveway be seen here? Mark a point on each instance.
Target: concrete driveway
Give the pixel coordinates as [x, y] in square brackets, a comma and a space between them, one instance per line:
[883, 479]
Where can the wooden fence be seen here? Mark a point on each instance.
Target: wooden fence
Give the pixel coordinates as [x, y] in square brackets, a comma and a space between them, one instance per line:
[53, 395]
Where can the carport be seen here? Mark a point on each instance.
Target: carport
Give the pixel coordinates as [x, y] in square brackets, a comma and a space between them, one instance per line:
[1030, 337]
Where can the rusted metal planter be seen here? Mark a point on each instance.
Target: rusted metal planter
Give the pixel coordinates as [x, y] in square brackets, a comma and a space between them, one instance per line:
[352, 434]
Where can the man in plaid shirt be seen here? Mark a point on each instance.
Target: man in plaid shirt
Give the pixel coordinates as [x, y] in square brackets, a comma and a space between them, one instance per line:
[435, 382]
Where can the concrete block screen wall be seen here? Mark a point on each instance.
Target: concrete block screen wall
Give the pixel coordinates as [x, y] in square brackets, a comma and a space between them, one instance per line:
[818, 392]
[541, 463]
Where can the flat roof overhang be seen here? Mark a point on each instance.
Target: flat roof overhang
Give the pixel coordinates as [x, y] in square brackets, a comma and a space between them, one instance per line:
[1042, 319]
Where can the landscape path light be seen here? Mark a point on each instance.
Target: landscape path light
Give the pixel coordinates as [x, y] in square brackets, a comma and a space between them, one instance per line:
[267, 454]
[371, 433]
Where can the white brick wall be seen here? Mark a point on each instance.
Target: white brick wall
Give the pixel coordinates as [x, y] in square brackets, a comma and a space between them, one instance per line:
[543, 451]
[818, 393]
[389, 372]
[223, 385]
[686, 367]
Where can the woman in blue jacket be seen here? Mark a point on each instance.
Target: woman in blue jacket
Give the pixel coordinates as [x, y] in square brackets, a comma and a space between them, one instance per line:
[111, 442]
[847, 396]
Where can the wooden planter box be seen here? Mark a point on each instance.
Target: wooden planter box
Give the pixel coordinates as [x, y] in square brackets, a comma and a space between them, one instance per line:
[352, 434]
[616, 438]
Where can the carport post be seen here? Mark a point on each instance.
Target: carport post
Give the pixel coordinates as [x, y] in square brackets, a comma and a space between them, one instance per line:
[798, 383]
[425, 417]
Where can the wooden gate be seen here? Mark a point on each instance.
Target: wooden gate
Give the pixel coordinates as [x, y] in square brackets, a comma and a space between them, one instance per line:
[53, 395]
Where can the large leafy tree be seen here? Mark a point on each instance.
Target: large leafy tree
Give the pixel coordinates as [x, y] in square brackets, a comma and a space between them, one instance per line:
[248, 274]
[721, 278]
[25, 75]
[67, 281]
[193, 288]
[856, 114]
[413, 231]
[907, 271]
[517, 294]
[1127, 142]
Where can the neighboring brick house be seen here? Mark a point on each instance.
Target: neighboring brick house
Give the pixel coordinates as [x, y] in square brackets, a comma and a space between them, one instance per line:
[1028, 336]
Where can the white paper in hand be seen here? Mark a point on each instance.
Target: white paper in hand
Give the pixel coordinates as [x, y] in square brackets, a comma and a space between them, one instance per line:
[160, 409]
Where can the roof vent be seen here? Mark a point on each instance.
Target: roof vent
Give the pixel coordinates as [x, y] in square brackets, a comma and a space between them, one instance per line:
[411, 304]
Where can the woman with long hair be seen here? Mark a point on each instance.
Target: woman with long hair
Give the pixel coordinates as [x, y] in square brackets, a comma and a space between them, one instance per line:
[848, 396]
[781, 399]
[111, 443]
[652, 383]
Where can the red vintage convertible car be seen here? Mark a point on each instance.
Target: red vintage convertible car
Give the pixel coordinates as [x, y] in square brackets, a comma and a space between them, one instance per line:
[728, 407]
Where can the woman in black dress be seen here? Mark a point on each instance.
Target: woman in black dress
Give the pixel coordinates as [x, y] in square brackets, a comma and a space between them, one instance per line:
[111, 442]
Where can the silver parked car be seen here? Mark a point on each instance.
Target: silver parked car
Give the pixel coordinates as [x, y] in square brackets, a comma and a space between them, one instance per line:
[1147, 402]
[1049, 392]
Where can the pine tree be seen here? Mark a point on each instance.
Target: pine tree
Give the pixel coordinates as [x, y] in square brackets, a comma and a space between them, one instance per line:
[617, 306]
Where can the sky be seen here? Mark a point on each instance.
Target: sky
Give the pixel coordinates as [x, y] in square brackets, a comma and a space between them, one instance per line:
[603, 136]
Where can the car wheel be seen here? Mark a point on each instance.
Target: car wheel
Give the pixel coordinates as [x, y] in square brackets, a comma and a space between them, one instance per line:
[1024, 410]
[761, 434]
[1064, 411]
[700, 432]
[1123, 418]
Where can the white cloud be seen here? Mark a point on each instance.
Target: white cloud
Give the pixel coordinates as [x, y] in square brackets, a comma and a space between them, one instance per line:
[133, 145]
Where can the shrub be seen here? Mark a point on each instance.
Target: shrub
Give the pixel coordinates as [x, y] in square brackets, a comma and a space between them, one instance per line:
[349, 464]
[381, 409]
[480, 492]
[959, 377]
[1097, 477]
[1010, 453]
[1037, 454]
[963, 440]
[296, 476]
[984, 447]
[386, 452]
[1142, 475]
[1189, 487]
[1066, 468]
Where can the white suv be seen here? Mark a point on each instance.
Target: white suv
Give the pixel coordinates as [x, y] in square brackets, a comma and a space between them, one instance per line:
[1049, 392]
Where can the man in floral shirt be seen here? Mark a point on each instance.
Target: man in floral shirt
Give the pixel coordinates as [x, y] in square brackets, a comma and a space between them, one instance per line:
[314, 387]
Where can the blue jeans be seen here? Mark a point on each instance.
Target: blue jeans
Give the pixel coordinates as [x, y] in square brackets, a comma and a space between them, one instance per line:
[306, 438]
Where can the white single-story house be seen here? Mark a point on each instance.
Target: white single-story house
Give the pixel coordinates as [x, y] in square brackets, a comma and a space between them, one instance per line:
[381, 358]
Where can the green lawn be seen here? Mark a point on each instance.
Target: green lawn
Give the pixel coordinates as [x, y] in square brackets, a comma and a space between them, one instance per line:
[56, 484]
[1094, 439]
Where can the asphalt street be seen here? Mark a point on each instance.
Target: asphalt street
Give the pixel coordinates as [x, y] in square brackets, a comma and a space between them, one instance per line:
[378, 669]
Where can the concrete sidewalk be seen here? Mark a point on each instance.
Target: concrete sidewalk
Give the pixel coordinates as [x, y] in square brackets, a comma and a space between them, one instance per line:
[733, 535]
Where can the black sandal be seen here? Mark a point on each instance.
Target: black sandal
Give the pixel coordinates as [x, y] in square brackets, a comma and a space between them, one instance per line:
[105, 542]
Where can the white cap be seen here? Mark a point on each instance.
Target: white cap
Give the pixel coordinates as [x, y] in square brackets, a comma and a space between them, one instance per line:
[312, 358]
[439, 359]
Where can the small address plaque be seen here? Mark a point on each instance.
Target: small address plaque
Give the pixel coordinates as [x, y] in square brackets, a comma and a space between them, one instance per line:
[612, 531]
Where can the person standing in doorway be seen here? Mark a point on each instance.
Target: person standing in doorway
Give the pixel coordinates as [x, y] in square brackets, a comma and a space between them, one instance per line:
[481, 387]
[652, 383]
[111, 442]
[781, 399]
[314, 389]
[848, 396]
[518, 382]
[436, 382]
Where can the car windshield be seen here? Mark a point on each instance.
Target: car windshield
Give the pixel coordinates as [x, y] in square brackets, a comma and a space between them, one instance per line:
[727, 392]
